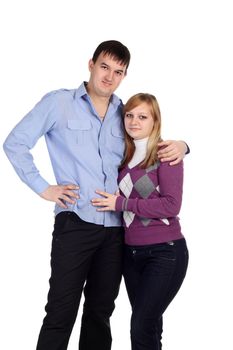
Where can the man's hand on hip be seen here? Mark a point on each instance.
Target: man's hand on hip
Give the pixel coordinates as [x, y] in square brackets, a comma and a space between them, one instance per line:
[61, 194]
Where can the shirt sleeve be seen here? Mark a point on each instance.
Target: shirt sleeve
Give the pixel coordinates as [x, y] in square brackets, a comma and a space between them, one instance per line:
[188, 149]
[167, 203]
[24, 136]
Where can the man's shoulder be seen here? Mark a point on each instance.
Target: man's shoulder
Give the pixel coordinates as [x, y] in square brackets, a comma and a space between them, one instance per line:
[60, 93]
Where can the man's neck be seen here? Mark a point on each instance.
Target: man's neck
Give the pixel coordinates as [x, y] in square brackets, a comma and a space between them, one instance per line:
[99, 102]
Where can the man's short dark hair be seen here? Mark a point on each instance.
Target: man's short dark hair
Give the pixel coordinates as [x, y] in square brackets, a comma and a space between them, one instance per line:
[115, 49]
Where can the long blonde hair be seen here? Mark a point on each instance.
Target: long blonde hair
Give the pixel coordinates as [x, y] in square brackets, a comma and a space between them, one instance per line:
[155, 136]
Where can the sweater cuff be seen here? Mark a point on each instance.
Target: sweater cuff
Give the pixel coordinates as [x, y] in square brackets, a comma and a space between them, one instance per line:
[120, 201]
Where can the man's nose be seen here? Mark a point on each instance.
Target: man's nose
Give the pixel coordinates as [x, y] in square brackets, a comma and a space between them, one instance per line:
[109, 75]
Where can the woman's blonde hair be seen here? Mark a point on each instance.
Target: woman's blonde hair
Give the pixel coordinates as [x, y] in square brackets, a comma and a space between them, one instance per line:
[155, 136]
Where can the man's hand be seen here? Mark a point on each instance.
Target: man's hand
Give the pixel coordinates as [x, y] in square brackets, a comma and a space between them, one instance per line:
[173, 151]
[61, 194]
[108, 203]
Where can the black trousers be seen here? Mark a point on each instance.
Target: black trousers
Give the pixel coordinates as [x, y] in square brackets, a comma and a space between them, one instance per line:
[84, 257]
[153, 275]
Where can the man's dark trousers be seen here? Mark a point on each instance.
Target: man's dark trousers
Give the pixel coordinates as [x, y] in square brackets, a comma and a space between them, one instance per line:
[87, 257]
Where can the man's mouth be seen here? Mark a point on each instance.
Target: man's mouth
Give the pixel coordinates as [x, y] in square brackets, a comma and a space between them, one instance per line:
[106, 83]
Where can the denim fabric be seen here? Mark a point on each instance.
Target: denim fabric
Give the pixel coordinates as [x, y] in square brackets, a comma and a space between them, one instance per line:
[153, 275]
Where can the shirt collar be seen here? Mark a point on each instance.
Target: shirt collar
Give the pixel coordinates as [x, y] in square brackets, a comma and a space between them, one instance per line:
[81, 91]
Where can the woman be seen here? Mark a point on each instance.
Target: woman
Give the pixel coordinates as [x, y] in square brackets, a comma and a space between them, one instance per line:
[156, 255]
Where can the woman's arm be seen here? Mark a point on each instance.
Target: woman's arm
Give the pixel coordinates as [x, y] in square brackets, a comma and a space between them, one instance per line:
[168, 204]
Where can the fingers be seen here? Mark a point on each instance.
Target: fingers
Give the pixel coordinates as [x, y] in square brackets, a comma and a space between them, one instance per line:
[67, 190]
[169, 156]
[104, 204]
[70, 187]
[172, 151]
[165, 143]
[60, 194]
[102, 193]
[168, 147]
[61, 204]
[166, 150]
[66, 199]
[68, 193]
[103, 209]
[177, 161]
[99, 202]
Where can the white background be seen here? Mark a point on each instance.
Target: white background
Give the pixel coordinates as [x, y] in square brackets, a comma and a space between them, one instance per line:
[182, 53]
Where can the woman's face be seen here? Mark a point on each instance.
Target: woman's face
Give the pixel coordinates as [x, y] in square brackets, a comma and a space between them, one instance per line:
[139, 122]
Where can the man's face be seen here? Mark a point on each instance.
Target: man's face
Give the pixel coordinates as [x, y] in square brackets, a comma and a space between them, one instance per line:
[106, 75]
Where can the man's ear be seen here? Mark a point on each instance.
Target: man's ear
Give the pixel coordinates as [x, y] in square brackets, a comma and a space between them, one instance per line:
[90, 65]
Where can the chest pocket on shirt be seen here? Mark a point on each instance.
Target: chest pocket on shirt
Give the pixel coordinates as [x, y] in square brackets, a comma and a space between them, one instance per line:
[116, 131]
[80, 130]
[117, 141]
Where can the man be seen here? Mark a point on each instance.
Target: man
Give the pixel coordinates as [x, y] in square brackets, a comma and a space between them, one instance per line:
[84, 135]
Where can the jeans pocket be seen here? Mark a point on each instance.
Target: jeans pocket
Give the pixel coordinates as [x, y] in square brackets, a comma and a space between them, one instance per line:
[60, 222]
[167, 256]
[164, 251]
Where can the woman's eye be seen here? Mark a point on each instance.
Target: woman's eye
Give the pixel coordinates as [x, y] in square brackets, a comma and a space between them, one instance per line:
[142, 116]
[128, 115]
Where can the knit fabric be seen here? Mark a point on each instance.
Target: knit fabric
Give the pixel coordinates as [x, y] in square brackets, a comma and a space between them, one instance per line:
[151, 200]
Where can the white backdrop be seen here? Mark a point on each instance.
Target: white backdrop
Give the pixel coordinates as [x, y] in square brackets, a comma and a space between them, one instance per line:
[182, 53]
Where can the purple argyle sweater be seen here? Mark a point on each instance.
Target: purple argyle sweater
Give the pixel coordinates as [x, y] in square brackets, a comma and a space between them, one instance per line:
[151, 200]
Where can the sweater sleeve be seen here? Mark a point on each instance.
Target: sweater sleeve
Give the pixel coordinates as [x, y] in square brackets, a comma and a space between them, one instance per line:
[167, 204]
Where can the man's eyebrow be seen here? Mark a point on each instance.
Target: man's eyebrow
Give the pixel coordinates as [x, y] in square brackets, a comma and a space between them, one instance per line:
[118, 70]
[104, 64]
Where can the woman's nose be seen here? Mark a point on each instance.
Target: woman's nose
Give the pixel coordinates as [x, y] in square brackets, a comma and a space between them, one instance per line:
[133, 121]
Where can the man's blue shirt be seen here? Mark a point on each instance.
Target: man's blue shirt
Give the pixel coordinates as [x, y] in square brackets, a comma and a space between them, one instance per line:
[83, 150]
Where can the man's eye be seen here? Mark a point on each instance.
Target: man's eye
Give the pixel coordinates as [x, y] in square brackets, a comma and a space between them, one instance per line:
[104, 67]
[119, 73]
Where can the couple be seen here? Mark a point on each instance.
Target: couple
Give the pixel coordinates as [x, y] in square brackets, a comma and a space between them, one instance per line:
[88, 141]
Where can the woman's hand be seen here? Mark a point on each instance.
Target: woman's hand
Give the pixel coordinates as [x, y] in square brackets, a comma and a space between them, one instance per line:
[108, 203]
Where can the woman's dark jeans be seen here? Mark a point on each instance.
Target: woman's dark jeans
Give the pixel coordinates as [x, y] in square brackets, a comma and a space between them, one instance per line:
[153, 275]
